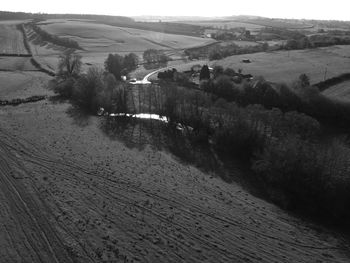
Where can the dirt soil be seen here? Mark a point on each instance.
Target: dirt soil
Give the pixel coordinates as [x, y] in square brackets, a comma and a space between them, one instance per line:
[69, 192]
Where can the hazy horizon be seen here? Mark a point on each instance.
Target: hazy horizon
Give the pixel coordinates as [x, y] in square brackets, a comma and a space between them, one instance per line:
[270, 8]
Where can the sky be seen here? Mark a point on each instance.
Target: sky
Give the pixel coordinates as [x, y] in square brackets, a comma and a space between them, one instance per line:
[308, 9]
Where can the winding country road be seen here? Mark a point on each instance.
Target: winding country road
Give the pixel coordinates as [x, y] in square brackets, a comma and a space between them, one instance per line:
[145, 79]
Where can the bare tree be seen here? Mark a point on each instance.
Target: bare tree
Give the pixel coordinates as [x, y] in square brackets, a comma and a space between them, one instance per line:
[69, 64]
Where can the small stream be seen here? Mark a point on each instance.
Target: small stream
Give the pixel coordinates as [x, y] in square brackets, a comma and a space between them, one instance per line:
[141, 116]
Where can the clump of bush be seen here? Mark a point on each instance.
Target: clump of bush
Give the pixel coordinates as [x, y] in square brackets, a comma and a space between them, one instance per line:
[155, 56]
[91, 90]
[121, 65]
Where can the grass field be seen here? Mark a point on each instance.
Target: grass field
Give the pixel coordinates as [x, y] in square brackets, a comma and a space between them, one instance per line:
[340, 91]
[38, 47]
[98, 40]
[219, 24]
[11, 39]
[94, 37]
[252, 24]
[16, 64]
[278, 23]
[19, 85]
[284, 66]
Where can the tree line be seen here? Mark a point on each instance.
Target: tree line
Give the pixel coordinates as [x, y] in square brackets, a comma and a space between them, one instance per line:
[95, 88]
[285, 150]
[60, 41]
[283, 147]
[294, 40]
[299, 96]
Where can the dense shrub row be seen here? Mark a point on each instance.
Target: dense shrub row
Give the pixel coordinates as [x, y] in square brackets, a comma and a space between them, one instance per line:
[218, 51]
[299, 97]
[294, 40]
[14, 55]
[60, 41]
[323, 85]
[20, 27]
[15, 102]
[40, 68]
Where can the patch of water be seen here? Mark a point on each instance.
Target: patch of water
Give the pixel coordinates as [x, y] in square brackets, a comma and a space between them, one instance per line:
[141, 116]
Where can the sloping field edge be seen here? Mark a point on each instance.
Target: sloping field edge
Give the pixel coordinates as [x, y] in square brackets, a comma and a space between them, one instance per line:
[34, 62]
[323, 85]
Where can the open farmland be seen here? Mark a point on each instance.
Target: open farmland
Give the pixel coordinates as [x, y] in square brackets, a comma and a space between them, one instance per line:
[20, 85]
[16, 64]
[98, 40]
[252, 24]
[284, 66]
[274, 22]
[11, 39]
[340, 91]
[94, 37]
[224, 24]
[39, 47]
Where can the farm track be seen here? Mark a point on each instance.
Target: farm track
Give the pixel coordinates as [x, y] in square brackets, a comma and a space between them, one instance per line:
[35, 239]
[166, 226]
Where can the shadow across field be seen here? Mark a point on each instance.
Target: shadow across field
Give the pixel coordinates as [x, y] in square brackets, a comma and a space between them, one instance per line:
[139, 133]
[186, 148]
[80, 117]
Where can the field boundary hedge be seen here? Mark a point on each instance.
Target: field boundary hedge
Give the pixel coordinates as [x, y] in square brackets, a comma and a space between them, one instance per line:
[59, 41]
[20, 27]
[14, 55]
[15, 102]
[323, 85]
[36, 64]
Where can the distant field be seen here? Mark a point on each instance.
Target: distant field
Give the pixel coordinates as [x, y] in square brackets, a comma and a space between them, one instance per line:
[340, 91]
[94, 37]
[11, 39]
[250, 24]
[278, 23]
[98, 40]
[224, 24]
[284, 66]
